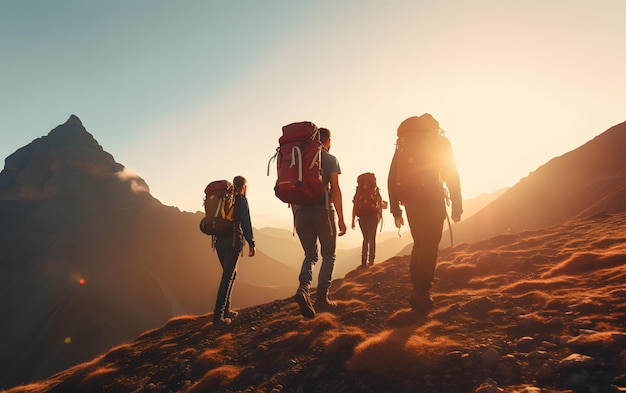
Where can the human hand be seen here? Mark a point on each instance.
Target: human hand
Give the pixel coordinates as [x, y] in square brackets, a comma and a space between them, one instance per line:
[399, 221]
[342, 228]
[456, 213]
[252, 252]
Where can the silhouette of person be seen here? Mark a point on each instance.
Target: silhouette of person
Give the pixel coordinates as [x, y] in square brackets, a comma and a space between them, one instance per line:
[368, 219]
[229, 247]
[423, 195]
[317, 222]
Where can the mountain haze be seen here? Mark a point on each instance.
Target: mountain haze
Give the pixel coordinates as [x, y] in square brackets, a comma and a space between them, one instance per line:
[584, 181]
[89, 259]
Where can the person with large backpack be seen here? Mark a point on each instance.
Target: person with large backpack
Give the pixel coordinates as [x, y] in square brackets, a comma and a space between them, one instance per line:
[368, 206]
[228, 243]
[315, 221]
[422, 163]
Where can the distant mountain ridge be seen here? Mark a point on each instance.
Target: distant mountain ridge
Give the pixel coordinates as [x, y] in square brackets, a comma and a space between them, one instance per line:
[89, 259]
[587, 180]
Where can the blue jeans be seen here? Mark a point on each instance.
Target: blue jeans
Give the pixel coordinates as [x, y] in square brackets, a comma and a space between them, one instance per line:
[228, 254]
[313, 224]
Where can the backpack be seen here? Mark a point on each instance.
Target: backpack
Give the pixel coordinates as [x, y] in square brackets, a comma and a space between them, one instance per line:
[417, 160]
[367, 199]
[298, 164]
[219, 206]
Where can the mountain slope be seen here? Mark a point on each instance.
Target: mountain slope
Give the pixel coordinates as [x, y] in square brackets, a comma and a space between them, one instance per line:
[89, 259]
[540, 310]
[587, 180]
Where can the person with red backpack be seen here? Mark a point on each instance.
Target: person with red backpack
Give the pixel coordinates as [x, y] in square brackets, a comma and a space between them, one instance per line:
[316, 221]
[422, 163]
[229, 246]
[368, 206]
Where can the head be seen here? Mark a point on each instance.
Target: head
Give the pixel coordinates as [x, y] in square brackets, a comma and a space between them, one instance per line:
[325, 137]
[241, 185]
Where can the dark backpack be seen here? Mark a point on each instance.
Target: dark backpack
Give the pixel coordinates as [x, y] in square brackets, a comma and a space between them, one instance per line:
[367, 199]
[219, 206]
[417, 160]
[299, 165]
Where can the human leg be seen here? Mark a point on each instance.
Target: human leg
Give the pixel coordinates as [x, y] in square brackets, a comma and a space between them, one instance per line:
[307, 233]
[426, 224]
[365, 244]
[372, 224]
[327, 233]
[228, 256]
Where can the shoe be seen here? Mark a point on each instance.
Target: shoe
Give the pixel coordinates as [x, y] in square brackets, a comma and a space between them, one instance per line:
[421, 301]
[219, 322]
[304, 301]
[325, 303]
[231, 314]
[371, 264]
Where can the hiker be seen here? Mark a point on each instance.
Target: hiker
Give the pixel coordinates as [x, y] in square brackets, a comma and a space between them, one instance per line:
[315, 222]
[368, 206]
[229, 246]
[422, 162]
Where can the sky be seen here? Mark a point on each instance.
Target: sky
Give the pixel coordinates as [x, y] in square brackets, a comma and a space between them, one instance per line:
[186, 92]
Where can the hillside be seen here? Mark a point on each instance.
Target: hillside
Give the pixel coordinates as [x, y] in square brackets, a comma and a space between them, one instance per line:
[536, 311]
[586, 180]
[87, 255]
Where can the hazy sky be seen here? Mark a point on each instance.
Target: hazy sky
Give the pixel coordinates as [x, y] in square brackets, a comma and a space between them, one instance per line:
[185, 92]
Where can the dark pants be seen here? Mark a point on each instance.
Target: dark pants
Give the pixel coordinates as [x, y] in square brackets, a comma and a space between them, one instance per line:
[368, 225]
[228, 255]
[313, 224]
[426, 223]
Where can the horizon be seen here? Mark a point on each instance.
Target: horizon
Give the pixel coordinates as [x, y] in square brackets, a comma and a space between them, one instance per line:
[156, 84]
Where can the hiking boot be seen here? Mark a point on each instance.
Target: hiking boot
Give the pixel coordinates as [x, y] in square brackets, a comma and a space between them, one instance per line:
[421, 301]
[323, 303]
[231, 314]
[220, 322]
[304, 301]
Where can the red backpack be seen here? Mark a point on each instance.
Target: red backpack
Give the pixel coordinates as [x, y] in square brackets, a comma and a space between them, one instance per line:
[367, 199]
[298, 164]
[219, 206]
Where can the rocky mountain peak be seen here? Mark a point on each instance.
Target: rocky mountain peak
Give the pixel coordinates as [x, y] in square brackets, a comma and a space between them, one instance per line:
[67, 160]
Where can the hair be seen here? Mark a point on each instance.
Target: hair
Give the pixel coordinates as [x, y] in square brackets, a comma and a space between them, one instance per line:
[239, 182]
[324, 134]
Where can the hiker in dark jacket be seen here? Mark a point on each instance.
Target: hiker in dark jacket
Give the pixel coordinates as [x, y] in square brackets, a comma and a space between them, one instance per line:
[229, 247]
[425, 205]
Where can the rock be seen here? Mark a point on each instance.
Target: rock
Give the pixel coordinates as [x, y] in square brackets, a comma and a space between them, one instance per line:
[525, 343]
[491, 356]
[489, 386]
[577, 361]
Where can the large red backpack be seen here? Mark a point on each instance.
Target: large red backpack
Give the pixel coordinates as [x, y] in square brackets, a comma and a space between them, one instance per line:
[219, 206]
[299, 165]
[367, 200]
[418, 160]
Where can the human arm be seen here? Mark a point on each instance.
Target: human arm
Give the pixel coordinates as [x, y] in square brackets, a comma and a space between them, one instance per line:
[394, 203]
[336, 199]
[353, 213]
[242, 215]
[450, 176]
